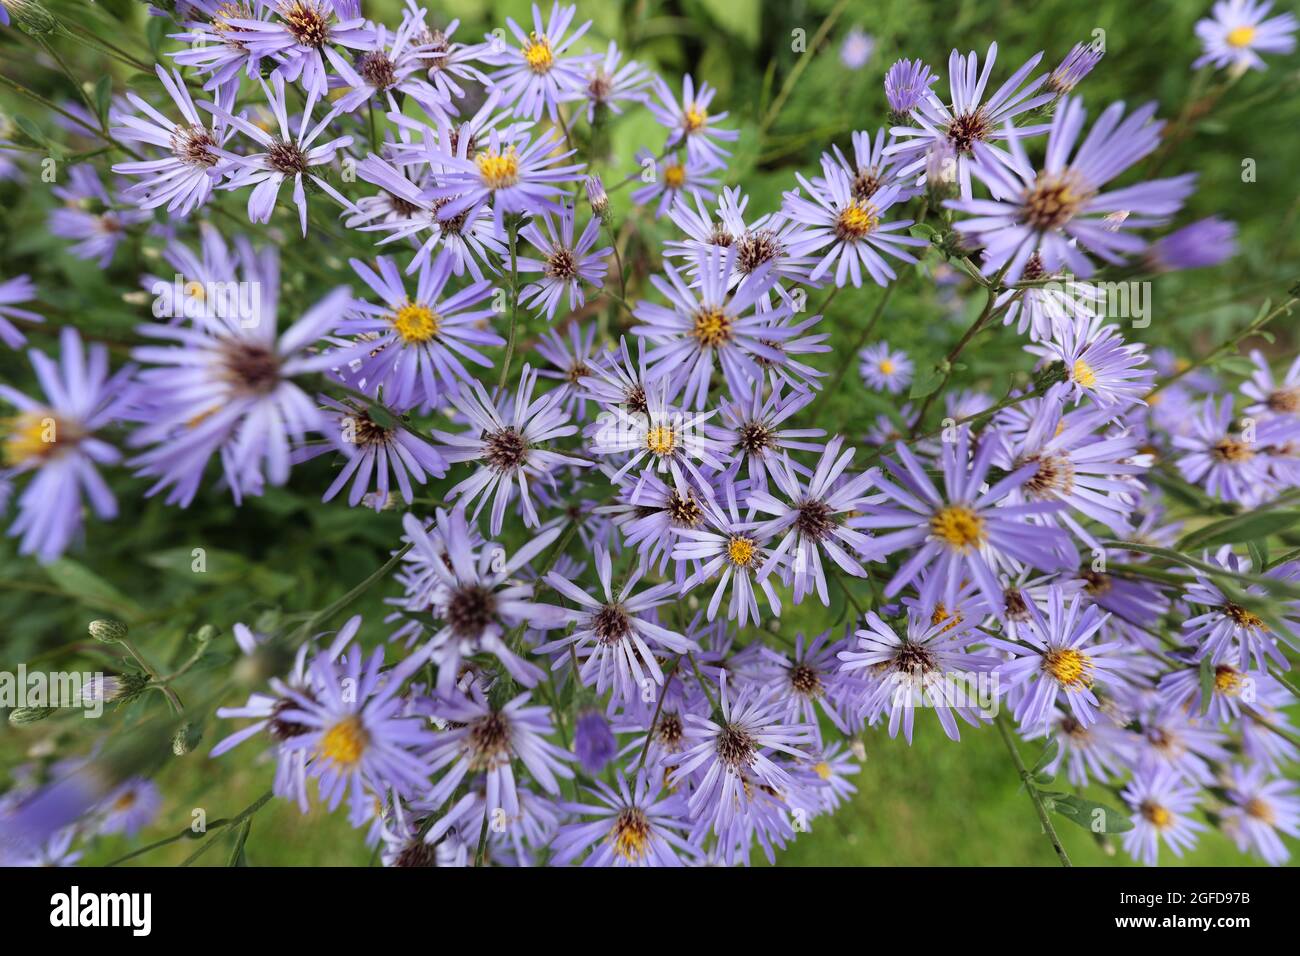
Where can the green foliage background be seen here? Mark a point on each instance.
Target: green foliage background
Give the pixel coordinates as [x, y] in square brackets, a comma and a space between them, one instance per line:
[936, 802]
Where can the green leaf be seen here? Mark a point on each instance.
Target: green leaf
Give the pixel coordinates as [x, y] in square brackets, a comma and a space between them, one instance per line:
[89, 589]
[154, 31]
[1048, 755]
[925, 383]
[1250, 526]
[1092, 816]
[30, 130]
[103, 96]
[741, 18]
[1207, 675]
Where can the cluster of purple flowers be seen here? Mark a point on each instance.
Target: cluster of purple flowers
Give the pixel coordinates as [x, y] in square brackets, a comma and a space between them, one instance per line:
[992, 550]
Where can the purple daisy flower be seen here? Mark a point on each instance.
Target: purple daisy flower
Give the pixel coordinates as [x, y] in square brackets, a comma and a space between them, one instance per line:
[1227, 631]
[417, 340]
[814, 520]
[565, 266]
[722, 758]
[670, 178]
[473, 591]
[507, 438]
[1261, 811]
[575, 363]
[373, 450]
[884, 369]
[751, 429]
[593, 741]
[971, 118]
[932, 666]
[228, 387]
[130, 808]
[54, 440]
[969, 532]
[689, 123]
[1096, 752]
[481, 738]
[539, 75]
[1236, 32]
[90, 218]
[856, 48]
[608, 84]
[1078, 63]
[1267, 394]
[1061, 211]
[854, 228]
[183, 180]
[1098, 362]
[12, 292]
[1162, 804]
[905, 83]
[710, 322]
[285, 156]
[216, 42]
[634, 825]
[614, 638]
[724, 543]
[358, 732]
[301, 36]
[1062, 660]
[385, 70]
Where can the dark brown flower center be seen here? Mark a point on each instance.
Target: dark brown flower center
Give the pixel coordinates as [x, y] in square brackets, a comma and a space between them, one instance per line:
[286, 158]
[814, 520]
[505, 449]
[251, 367]
[307, 21]
[968, 129]
[470, 610]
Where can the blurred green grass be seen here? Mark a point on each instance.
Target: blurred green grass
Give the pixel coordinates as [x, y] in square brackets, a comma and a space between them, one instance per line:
[933, 803]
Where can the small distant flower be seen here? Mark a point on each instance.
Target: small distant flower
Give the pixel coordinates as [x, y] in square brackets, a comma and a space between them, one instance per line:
[752, 431]
[574, 363]
[13, 291]
[672, 178]
[130, 807]
[1206, 242]
[854, 228]
[215, 41]
[1099, 364]
[1236, 32]
[856, 49]
[885, 370]
[1077, 64]
[1162, 805]
[357, 731]
[507, 438]
[285, 156]
[90, 218]
[1228, 463]
[688, 122]
[615, 639]
[634, 826]
[566, 265]
[608, 84]
[1060, 211]
[381, 71]
[54, 441]
[1269, 396]
[905, 83]
[538, 76]
[1063, 660]
[1261, 810]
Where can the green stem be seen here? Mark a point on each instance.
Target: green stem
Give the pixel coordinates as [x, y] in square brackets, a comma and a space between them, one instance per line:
[1027, 779]
[514, 306]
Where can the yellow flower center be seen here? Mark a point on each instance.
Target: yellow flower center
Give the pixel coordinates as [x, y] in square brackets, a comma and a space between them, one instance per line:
[695, 118]
[537, 54]
[1227, 680]
[856, 220]
[498, 170]
[32, 436]
[675, 175]
[1240, 36]
[886, 367]
[631, 835]
[345, 742]
[1244, 618]
[959, 526]
[741, 551]
[1231, 450]
[712, 327]
[1083, 374]
[1069, 667]
[1156, 815]
[661, 439]
[823, 770]
[416, 323]
[1260, 810]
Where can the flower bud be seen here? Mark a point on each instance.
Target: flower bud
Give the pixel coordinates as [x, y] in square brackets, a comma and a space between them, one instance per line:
[598, 197]
[28, 715]
[108, 631]
[31, 17]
